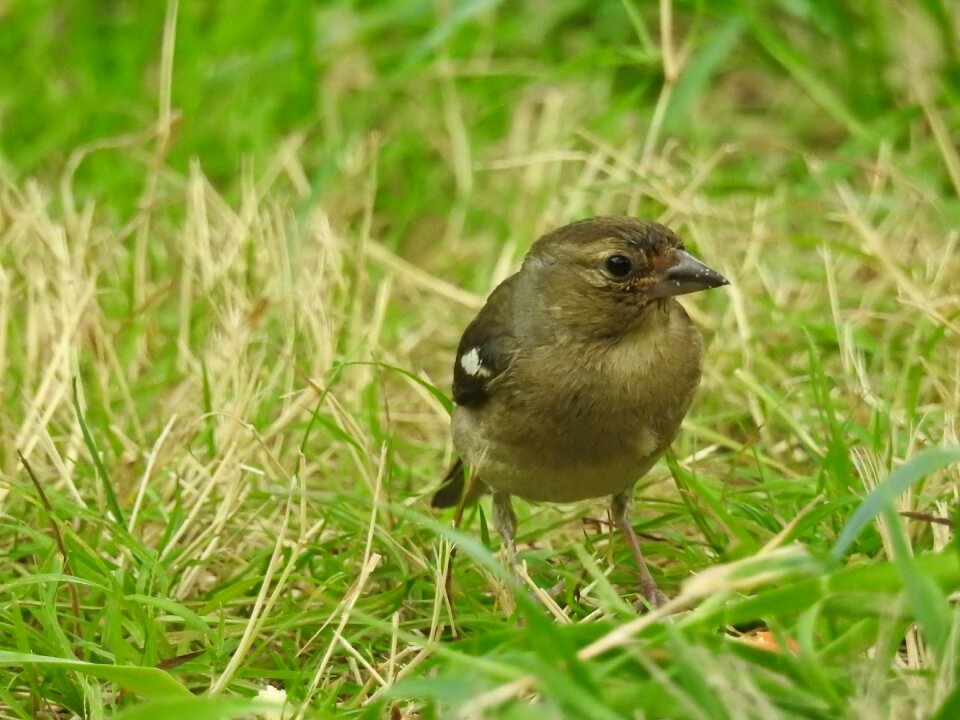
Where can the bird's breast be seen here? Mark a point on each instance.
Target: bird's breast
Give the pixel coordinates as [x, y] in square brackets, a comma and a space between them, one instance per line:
[578, 422]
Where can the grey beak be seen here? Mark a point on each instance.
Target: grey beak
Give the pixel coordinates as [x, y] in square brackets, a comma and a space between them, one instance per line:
[686, 275]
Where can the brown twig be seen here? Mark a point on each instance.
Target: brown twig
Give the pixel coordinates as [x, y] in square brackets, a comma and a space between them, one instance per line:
[448, 580]
[927, 517]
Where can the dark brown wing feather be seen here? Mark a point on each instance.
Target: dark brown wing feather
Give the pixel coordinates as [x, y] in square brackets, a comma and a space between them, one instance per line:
[490, 336]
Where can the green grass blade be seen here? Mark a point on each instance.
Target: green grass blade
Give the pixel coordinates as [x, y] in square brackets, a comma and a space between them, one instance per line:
[196, 708]
[101, 471]
[883, 495]
[928, 604]
[146, 681]
[950, 708]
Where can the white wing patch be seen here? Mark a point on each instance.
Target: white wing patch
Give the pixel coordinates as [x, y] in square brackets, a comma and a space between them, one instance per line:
[472, 364]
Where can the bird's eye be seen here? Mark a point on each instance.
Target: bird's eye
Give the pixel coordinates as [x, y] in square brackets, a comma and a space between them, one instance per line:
[618, 266]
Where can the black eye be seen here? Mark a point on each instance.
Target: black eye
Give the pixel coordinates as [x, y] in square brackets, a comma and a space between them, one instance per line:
[619, 266]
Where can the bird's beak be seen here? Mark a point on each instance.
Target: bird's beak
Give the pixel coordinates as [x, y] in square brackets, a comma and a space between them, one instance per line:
[684, 274]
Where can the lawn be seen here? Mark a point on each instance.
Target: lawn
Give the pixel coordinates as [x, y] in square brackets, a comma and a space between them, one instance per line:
[239, 243]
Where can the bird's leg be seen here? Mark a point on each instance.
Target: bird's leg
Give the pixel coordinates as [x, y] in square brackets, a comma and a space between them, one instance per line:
[620, 508]
[505, 520]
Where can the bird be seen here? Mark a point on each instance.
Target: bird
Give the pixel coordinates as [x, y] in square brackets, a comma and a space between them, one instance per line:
[573, 378]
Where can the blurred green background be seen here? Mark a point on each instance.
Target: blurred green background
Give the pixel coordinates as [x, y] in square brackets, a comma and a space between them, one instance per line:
[247, 75]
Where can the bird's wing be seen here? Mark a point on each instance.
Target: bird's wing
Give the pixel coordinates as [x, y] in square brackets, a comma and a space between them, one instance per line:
[486, 348]
[483, 355]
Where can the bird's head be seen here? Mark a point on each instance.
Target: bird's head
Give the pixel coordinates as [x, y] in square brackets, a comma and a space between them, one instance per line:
[597, 276]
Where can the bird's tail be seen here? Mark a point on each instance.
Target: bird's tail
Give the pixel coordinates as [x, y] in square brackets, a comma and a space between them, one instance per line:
[453, 485]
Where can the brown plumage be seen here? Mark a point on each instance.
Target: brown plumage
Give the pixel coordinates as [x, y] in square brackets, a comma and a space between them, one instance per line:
[574, 377]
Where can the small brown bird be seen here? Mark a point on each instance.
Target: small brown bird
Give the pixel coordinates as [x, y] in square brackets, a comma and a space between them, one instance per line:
[574, 377]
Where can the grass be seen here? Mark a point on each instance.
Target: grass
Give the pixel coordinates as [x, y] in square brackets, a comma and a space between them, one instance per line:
[236, 253]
